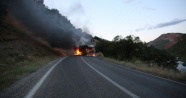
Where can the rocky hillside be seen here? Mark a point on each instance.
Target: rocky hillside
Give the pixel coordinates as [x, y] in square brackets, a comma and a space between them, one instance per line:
[166, 41]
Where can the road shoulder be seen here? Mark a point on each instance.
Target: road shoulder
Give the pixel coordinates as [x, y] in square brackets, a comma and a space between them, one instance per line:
[21, 87]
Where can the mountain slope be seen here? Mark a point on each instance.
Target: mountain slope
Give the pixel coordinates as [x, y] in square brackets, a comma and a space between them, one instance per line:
[166, 41]
[174, 43]
[20, 52]
[179, 49]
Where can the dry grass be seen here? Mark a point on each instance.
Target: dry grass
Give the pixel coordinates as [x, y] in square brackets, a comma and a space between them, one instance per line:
[154, 70]
[9, 74]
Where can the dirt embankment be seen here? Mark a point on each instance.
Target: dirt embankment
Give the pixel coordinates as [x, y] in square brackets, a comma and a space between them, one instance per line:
[20, 52]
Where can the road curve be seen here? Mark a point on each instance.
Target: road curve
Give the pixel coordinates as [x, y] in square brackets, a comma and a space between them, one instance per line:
[91, 77]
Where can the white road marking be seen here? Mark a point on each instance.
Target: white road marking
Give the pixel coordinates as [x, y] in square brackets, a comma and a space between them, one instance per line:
[40, 82]
[113, 82]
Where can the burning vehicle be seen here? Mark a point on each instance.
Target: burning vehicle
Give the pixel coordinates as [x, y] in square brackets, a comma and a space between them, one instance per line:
[85, 50]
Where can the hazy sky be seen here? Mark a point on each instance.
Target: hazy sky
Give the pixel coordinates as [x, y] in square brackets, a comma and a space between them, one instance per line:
[147, 19]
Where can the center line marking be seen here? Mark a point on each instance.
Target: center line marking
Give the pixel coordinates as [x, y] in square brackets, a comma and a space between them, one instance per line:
[40, 82]
[113, 82]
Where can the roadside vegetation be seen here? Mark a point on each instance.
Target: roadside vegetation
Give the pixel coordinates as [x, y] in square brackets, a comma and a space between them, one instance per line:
[153, 70]
[9, 74]
[179, 49]
[133, 53]
[132, 48]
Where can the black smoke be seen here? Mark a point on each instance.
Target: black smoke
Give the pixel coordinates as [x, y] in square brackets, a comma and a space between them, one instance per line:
[48, 24]
[3, 9]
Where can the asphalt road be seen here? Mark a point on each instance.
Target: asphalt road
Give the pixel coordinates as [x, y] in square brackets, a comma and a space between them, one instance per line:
[90, 77]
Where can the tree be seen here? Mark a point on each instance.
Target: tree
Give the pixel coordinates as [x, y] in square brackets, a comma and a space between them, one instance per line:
[132, 47]
[117, 38]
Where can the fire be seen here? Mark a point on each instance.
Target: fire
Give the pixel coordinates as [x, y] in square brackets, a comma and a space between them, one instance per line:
[94, 54]
[77, 52]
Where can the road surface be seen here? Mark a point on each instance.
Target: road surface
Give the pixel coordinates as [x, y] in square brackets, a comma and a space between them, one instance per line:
[90, 77]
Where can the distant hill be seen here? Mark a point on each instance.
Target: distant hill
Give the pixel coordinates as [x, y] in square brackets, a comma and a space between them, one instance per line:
[174, 43]
[179, 49]
[166, 41]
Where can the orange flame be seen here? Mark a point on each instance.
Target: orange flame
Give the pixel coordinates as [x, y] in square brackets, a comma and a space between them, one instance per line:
[77, 52]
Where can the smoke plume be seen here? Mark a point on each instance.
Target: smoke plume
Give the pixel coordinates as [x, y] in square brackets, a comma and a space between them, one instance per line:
[48, 24]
